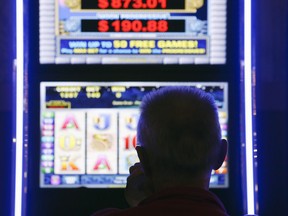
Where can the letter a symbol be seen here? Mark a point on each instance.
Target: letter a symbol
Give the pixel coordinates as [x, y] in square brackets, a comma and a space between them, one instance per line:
[70, 122]
[102, 163]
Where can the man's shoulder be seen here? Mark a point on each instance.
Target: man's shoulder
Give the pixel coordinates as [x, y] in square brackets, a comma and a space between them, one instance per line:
[174, 201]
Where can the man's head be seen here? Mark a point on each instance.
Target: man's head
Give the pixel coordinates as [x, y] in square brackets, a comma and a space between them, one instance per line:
[180, 135]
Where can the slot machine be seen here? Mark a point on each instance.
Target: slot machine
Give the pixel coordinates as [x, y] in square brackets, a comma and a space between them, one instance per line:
[87, 66]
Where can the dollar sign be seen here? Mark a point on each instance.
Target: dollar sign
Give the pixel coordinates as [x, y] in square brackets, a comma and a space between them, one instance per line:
[103, 4]
[103, 26]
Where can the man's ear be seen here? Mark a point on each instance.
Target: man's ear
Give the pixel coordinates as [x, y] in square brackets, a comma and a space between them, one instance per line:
[144, 160]
[221, 154]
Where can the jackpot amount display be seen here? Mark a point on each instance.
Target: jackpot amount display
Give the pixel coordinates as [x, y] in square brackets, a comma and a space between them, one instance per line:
[88, 31]
[142, 4]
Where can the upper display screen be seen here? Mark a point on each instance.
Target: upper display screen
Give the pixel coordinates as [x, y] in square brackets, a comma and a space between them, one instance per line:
[132, 31]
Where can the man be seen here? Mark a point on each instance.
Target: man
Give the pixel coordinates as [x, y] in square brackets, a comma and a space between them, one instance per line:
[180, 143]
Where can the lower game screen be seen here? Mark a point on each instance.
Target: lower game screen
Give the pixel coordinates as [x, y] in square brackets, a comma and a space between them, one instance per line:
[88, 131]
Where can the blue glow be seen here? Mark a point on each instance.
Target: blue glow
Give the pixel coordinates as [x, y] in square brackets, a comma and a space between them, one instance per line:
[19, 107]
[248, 107]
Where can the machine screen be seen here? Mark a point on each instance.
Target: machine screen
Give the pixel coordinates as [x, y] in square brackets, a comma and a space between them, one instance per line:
[88, 131]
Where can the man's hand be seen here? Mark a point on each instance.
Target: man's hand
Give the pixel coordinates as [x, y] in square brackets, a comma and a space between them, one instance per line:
[138, 185]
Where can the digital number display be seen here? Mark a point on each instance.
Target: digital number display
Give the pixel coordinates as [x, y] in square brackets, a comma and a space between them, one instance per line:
[133, 4]
[133, 26]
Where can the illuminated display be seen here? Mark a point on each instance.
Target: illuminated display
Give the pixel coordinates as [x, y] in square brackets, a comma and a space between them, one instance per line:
[118, 47]
[88, 131]
[136, 4]
[104, 31]
[133, 26]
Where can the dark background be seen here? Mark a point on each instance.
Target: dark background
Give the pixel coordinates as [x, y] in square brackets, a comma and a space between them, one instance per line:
[271, 76]
[7, 49]
[272, 55]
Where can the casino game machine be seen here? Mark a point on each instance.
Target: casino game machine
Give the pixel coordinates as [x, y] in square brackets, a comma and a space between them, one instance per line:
[83, 67]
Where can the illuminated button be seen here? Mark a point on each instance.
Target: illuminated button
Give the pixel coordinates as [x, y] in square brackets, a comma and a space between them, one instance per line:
[144, 29]
[55, 180]
[170, 61]
[47, 157]
[93, 60]
[62, 60]
[48, 127]
[224, 133]
[70, 180]
[47, 151]
[201, 60]
[72, 25]
[78, 60]
[222, 120]
[47, 132]
[48, 114]
[47, 164]
[48, 121]
[47, 170]
[224, 126]
[186, 60]
[48, 139]
[222, 114]
[47, 145]
[144, 6]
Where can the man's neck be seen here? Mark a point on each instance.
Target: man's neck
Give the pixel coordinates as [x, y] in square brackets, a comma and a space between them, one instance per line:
[200, 182]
